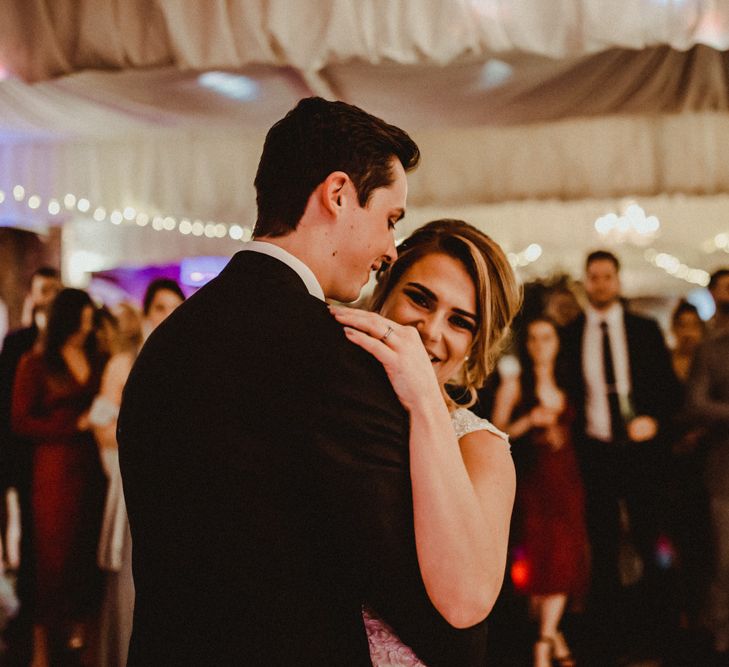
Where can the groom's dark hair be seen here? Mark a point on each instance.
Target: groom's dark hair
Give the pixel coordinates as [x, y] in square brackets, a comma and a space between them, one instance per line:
[314, 139]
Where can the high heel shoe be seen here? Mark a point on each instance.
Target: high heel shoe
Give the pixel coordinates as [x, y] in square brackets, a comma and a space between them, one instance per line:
[561, 652]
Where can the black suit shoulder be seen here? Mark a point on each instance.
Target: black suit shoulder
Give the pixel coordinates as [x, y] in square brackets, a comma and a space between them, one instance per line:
[253, 433]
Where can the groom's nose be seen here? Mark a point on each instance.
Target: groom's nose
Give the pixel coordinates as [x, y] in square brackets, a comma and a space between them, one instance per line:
[391, 253]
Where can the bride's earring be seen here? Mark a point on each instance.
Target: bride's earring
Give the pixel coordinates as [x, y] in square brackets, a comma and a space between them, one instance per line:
[465, 371]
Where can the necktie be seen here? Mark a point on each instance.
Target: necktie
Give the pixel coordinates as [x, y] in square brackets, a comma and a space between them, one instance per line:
[617, 424]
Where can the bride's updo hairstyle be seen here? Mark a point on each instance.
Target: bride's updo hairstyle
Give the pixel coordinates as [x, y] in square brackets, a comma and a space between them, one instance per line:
[498, 294]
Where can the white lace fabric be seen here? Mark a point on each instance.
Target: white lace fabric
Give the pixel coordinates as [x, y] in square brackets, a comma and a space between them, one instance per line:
[465, 422]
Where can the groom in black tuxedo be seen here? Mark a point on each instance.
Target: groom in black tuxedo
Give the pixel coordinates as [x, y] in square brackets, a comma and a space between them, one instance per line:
[265, 458]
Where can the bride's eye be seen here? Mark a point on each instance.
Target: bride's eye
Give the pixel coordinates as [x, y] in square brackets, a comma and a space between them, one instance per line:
[417, 297]
[463, 323]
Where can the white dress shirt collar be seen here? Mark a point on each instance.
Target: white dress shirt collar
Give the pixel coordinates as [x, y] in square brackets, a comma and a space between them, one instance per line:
[303, 271]
[613, 315]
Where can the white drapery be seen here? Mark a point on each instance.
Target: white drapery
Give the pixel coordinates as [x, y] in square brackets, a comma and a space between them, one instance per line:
[510, 100]
[41, 39]
[610, 125]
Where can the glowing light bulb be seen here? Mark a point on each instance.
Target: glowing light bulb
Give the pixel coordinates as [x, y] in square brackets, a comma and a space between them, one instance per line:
[34, 202]
[69, 201]
[99, 214]
[19, 193]
[54, 208]
[533, 252]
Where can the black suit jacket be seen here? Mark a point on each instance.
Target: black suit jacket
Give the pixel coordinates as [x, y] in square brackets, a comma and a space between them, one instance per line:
[265, 468]
[654, 388]
[14, 452]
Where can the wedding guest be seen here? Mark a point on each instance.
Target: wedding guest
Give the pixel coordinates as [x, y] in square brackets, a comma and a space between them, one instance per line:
[534, 409]
[623, 371]
[688, 331]
[561, 305]
[16, 455]
[45, 283]
[162, 296]
[719, 289]
[689, 525]
[53, 390]
[106, 329]
[115, 545]
[707, 405]
[129, 319]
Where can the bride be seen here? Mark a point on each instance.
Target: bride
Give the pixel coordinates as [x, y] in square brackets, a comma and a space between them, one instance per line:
[439, 315]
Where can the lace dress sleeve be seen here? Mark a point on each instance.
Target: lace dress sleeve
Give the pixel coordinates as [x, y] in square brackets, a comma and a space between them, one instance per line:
[465, 422]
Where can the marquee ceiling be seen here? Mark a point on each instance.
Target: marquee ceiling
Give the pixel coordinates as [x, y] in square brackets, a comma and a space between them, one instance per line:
[534, 117]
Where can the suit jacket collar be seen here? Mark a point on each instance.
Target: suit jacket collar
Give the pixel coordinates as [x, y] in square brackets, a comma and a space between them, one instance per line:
[265, 269]
[303, 271]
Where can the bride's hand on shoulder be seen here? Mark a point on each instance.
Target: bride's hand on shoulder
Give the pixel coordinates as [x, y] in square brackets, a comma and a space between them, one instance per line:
[398, 348]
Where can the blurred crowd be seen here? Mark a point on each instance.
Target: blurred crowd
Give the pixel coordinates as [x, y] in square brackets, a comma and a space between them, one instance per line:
[620, 536]
[621, 523]
[65, 538]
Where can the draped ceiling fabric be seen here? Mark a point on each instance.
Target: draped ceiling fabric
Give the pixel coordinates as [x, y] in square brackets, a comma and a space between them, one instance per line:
[510, 100]
[42, 39]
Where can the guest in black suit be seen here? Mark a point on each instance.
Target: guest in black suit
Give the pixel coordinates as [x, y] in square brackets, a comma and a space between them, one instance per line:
[264, 457]
[623, 370]
[16, 453]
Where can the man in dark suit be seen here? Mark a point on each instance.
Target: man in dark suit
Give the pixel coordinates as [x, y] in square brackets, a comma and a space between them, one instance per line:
[265, 459]
[627, 390]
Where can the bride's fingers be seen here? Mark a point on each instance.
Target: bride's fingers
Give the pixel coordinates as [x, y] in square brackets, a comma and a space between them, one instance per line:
[373, 324]
[375, 347]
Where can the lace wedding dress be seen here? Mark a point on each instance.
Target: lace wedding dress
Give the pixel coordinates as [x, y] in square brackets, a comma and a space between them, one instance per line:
[386, 649]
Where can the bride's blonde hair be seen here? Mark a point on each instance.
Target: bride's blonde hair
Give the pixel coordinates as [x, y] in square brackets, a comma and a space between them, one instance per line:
[498, 294]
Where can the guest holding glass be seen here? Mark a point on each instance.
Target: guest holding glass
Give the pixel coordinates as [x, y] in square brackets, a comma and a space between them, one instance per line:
[534, 409]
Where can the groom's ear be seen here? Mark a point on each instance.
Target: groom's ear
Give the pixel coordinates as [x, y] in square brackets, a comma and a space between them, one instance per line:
[333, 192]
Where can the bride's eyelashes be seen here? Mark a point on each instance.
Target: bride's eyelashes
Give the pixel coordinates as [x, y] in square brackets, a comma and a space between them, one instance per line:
[463, 323]
[424, 300]
[417, 297]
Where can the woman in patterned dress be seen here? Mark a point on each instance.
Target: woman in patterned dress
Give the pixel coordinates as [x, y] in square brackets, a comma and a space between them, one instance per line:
[443, 309]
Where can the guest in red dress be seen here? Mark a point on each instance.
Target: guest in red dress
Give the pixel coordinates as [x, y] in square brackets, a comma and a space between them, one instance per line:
[54, 387]
[534, 410]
